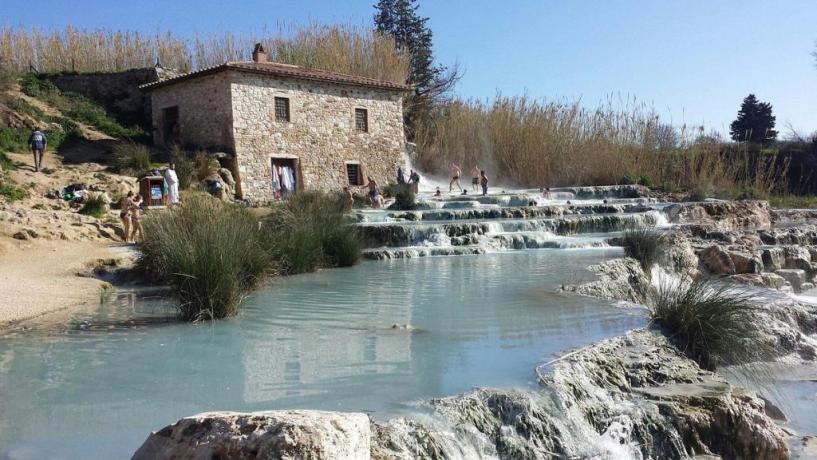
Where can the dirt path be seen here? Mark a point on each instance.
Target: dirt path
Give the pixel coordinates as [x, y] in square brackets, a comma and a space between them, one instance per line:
[42, 279]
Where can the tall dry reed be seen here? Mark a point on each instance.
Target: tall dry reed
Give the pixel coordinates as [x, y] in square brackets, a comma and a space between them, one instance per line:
[341, 48]
[524, 141]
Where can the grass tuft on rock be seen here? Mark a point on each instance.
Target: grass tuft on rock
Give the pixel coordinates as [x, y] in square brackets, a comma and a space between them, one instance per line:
[714, 324]
[131, 158]
[309, 231]
[643, 244]
[209, 252]
[94, 206]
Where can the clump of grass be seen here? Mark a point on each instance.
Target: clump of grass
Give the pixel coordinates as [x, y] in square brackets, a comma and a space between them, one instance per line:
[308, 232]
[403, 195]
[94, 206]
[713, 324]
[131, 158]
[208, 251]
[10, 192]
[6, 163]
[644, 245]
[205, 166]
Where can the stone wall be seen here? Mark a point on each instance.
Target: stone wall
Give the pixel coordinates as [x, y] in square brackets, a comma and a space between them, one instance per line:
[205, 115]
[321, 132]
[117, 92]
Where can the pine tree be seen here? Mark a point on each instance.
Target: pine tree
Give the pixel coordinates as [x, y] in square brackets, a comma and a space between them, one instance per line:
[400, 20]
[755, 122]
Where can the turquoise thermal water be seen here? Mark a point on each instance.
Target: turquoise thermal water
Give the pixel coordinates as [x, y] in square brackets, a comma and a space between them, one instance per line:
[315, 341]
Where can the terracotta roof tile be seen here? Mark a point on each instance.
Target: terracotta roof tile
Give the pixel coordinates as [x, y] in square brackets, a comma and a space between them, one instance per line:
[284, 70]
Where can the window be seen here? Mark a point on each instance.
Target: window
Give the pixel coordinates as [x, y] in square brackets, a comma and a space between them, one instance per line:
[353, 173]
[362, 120]
[281, 109]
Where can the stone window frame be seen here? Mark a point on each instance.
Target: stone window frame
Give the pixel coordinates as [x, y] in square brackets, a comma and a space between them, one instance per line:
[360, 180]
[365, 112]
[288, 102]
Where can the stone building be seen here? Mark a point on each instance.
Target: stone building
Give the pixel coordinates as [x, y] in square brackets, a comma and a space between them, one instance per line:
[331, 129]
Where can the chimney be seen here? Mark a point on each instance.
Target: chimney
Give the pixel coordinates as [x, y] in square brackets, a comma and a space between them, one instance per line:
[258, 53]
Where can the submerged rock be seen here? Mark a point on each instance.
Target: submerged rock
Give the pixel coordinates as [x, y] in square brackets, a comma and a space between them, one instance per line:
[285, 435]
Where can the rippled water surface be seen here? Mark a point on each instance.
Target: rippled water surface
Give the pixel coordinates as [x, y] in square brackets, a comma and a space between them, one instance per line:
[317, 341]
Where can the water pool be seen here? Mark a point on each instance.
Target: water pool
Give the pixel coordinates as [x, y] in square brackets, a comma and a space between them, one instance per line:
[316, 341]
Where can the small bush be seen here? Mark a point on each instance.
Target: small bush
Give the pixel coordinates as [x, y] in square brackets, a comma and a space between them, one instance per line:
[94, 206]
[12, 140]
[11, 192]
[205, 166]
[185, 167]
[308, 232]
[208, 251]
[403, 194]
[48, 171]
[83, 110]
[643, 244]
[645, 181]
[131, 158]
[713, 324]
[34, 86]
[6, 163]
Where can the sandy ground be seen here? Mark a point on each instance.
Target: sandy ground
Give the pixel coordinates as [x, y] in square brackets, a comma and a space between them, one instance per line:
[35, 280]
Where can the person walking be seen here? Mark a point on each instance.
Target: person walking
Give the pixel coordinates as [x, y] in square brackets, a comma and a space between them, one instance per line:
[374, 194]
[37, 141]
[456, 172]
[172, 181]
[483, 180]
[475, 178]
[136, 225]
[126, 208]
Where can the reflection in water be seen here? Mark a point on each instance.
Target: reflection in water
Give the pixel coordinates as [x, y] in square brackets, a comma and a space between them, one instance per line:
[318, 341]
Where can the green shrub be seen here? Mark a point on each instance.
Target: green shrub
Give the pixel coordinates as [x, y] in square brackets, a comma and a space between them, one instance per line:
[644, 180]
[205, 166]
[10, 192]
[644, 245]
[403, 195]
[627, 180]
[185, 167]
[208, 251]
[309, 231]
[94, 206]
[6, 163]
[131, 158]
[713, 324]
[13, 140]
[698, 194]
[35, 86]
[81, 109]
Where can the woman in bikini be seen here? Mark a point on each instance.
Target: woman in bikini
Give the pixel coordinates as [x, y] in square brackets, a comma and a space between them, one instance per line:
[136, 208]
[125, 213]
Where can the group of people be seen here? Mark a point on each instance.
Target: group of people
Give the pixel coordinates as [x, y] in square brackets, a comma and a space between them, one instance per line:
[130, 207]
[478, 179]
[413, 179]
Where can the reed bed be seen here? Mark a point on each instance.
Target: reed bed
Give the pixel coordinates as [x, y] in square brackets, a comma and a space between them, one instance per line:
[529, 142]
[341, 48]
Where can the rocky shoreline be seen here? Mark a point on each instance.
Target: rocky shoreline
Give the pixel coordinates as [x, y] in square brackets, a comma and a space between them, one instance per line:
[634, 396]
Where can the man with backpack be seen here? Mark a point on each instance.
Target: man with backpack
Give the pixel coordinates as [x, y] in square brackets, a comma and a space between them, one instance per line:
[37, 141]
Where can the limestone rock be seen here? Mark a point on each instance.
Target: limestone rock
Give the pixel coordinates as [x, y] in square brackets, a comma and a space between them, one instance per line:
[794, 276]
[773, 280]
[746, 263]
[285, 435]
[773, 258]
[717, 261]
[618, 279]
[680, 256]
[722, 215]
[752, 279]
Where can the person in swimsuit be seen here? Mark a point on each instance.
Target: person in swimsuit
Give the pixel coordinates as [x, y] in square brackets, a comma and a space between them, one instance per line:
[124, 215]
[455, 177]
[475, 178]
[484, 182]
[373, 193]
[136, 225]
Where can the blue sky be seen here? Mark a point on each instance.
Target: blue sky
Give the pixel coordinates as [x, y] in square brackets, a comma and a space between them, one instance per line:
[692, 60]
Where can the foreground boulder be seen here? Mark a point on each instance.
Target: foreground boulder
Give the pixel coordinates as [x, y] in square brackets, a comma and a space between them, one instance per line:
[285, 435]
